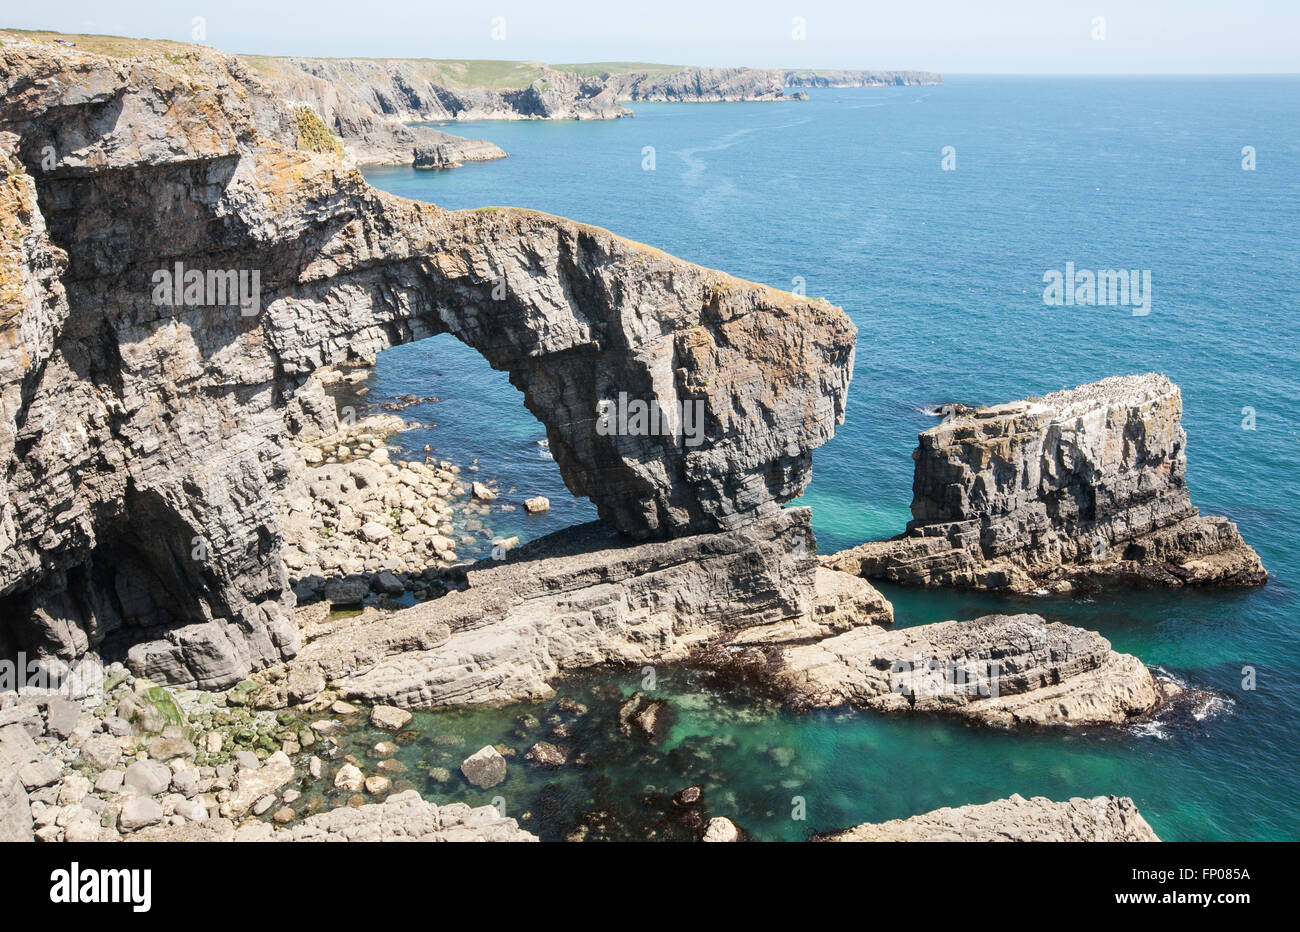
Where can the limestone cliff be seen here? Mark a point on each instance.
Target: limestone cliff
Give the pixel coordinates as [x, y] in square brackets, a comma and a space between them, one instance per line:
[368, 102]
[830, 77]
[1087, 484]
[143, 430]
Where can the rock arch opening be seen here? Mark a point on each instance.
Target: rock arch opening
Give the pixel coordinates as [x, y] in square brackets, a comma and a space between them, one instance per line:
[406, 467]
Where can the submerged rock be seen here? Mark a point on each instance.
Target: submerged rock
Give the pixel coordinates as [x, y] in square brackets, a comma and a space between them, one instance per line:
[1084, 485]
[546, 755]
[1102, 818]
[645, 717]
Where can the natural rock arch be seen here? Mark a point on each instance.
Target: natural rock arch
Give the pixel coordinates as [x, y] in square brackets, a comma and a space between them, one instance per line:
[184, 407]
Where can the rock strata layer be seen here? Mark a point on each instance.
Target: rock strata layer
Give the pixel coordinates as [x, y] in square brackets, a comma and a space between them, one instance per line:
[1102, 818]
[1001, 670]
[144, 428]
[1083, 485]
[576, 599]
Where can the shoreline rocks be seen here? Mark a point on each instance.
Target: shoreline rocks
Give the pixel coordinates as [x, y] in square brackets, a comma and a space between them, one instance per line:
[573, 599]
[1099, 819]
[999, 670]
[1079, 487]
[443, 150]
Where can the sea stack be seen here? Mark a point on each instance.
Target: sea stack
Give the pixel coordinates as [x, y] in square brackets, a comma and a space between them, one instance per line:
[1083, 485]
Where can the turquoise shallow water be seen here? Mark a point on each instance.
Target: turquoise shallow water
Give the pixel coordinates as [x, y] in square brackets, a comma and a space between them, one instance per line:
[942, 273]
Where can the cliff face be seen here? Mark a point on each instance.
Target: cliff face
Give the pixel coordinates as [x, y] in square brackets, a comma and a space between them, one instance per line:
[847, 78]
[368, 101]
[356, 95]
[143, 429]
[1084, 483]
[699, 84]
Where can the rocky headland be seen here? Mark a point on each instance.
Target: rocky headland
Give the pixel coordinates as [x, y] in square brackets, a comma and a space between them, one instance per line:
[1102, 818]
[840, 77]
[149, 442]
[369, 103]
[370, 108]
[1083, 486]
[186, 509]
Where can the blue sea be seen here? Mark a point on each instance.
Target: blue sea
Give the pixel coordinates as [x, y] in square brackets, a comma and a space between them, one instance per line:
[942, 272]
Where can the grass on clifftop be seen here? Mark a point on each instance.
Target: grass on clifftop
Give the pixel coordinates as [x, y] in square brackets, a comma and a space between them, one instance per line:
[112, 46]
[445, 72]
[448, 72]
[600, 69]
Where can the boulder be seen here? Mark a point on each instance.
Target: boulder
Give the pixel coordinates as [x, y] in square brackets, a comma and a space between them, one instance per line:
[139, 812]
[388, 583]
[16, 747]
[537, 504]
[61, 716]
[350, 590]
[15, 809]
[389, 718]
[103, 752]
[721, 829]
[349, 778]
[252, 785]
[147, 778]
[165, 749]
[39, 773]
[484, 768]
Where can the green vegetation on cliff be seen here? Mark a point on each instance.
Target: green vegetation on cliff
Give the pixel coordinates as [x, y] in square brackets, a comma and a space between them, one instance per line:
[313, 135]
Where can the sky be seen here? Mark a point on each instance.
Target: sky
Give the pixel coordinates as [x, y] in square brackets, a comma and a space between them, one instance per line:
[947, 36]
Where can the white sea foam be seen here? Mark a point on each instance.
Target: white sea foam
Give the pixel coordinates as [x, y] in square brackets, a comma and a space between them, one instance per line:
[1151, 729]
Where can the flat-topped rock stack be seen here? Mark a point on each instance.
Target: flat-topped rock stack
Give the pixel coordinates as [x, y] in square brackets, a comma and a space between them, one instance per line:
[1087, 484]
[1001, 670]
[1102, 818]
